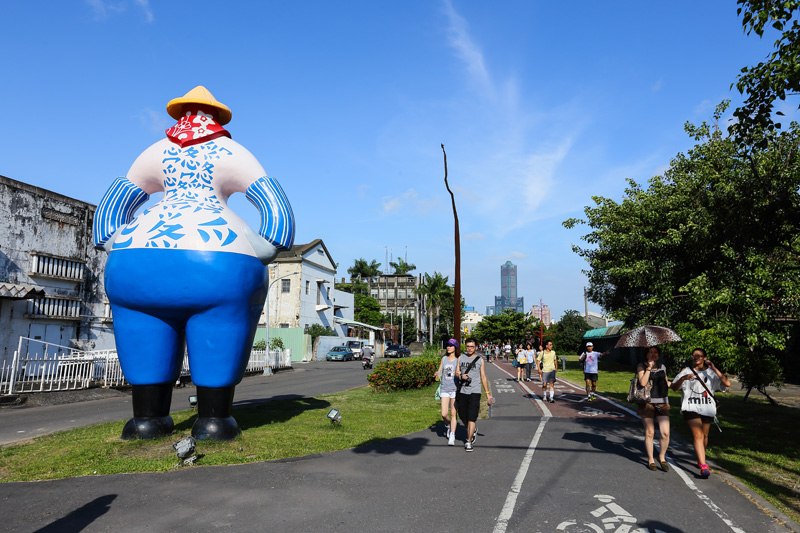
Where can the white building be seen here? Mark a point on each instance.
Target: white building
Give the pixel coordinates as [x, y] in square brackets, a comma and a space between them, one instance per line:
[470, 320]
[302, 293]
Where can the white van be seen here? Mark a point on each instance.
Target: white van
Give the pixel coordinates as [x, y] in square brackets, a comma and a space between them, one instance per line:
[355, 347]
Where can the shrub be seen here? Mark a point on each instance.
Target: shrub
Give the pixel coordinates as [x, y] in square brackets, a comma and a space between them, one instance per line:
[403, 374]
[276, 343]
[260, 344]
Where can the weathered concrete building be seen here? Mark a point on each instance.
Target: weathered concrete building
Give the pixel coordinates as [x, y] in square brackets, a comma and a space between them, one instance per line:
[51, 286]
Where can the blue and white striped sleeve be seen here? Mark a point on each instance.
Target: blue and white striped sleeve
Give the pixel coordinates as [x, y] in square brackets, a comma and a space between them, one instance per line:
[116, 209]
[277, 219]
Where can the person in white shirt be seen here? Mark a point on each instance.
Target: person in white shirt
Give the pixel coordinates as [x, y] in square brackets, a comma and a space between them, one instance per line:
[589, 359]
[698, 406]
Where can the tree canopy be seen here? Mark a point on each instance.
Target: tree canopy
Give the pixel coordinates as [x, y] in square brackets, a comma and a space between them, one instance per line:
[772, 79]
[570, 330]
[510, 325]
[710, 248]
[401, 267]
[436, 291]
[361, 269]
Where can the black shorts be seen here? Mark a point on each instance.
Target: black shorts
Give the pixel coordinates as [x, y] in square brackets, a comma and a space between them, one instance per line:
[468, 406]
[590, 377]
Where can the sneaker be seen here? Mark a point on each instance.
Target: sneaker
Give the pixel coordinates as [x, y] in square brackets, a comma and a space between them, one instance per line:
[589, 398]
[448, 432]
[451, 440]
[704, 471]
[552, 400]
[468, 447]
[475, 435]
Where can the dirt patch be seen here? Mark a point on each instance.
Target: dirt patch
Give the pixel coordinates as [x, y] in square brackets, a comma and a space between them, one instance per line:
[61, 397]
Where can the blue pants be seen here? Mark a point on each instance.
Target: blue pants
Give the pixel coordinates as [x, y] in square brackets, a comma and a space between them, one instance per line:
[163, 300]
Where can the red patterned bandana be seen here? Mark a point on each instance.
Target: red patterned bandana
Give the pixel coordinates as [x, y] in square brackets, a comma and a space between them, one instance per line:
[195, 129]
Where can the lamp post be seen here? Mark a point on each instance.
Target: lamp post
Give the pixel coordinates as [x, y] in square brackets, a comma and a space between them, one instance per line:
[267, 370]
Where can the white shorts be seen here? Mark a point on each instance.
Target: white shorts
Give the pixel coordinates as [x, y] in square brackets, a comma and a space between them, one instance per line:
[448, 394]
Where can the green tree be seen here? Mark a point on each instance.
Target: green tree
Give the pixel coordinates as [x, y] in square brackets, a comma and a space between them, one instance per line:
[367, 310]
[710, 248]
[361, 269]
[435, 290]
[570, 330]
[355, 286]
[510, 325]
[401, 267]
[318, 330]
[772, 79]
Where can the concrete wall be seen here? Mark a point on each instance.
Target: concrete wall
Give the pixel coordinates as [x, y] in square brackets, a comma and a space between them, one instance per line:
[40, 227]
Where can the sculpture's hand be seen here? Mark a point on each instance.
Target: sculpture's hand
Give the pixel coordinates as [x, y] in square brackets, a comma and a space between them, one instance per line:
[264, 250]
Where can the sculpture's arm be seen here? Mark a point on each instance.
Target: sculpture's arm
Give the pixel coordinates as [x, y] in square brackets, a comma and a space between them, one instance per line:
[277, 219]
[116, 209]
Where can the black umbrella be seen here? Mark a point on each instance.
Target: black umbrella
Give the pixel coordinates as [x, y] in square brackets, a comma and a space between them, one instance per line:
[646, 336]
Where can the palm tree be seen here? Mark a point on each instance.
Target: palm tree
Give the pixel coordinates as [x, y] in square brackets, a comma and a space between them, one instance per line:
[401, 267]
[361, 269]
[435, 290]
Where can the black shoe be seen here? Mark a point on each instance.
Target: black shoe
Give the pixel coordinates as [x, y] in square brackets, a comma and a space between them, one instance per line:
[214, 420]
[151, 418]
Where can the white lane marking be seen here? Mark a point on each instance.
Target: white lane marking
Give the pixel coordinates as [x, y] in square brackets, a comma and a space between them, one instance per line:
[508, 507]
[539, 403]
[705, 499]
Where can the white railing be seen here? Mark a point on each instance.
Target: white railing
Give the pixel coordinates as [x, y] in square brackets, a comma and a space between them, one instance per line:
[275, 360]
[42, 366]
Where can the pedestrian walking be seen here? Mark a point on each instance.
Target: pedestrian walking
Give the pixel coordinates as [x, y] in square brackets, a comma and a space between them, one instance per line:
[657, 409]
[547, 371]
[529, 356]
[697, 384]
[447, 375]
[471, 375]
[589, 358]
[522, 362]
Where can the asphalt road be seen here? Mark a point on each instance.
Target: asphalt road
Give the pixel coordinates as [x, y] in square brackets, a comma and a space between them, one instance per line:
[567, 466]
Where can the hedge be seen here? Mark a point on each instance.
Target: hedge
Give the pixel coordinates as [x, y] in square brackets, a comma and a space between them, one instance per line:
[403, 374]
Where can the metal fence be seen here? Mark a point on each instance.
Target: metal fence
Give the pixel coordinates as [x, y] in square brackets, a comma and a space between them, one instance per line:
[39, 366]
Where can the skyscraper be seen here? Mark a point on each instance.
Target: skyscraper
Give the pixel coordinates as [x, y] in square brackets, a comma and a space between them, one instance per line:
[508, 298]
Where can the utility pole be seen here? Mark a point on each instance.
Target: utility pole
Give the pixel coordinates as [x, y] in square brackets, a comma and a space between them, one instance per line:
[457, 238]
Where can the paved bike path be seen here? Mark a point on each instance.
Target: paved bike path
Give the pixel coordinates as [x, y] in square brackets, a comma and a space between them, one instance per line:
[530, 471]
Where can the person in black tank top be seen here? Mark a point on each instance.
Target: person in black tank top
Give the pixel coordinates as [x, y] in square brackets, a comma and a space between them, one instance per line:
[657, 411]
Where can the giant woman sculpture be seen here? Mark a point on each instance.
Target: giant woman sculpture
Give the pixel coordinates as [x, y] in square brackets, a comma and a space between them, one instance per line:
[187, 272]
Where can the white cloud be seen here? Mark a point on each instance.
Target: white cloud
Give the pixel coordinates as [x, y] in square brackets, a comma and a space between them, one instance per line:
[460, 39]
[154, 121]
[408, 200]
[148, 13]
[519, 255]
[474, 236]
[362, 190]
[105, 8]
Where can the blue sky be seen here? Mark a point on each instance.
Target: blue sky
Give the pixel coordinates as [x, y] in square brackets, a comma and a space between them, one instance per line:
[540, 105]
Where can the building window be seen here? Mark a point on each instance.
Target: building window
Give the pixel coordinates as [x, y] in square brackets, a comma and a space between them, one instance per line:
[374, 293]
[329, 293]
[401, 294]
[53, 267]
[284, 325]
[308, 285]
[54, 308]
[382, 293]
[286, 285]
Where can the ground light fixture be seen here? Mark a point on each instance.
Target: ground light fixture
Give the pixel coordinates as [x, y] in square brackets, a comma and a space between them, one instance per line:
[193, 401]
[335, 417]
[185, 449]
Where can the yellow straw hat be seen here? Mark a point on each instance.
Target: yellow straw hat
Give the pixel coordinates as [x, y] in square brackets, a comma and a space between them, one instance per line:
[198, 95]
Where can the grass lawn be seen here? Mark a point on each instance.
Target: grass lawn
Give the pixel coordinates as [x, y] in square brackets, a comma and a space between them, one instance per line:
[271, 430]
[759, 443]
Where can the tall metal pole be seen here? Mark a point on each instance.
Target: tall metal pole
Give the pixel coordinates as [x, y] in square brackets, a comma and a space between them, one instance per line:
[457, 237]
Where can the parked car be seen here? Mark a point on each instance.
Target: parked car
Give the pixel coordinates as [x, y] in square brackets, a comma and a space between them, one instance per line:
[339, 353]
[355, 347]
[397, 350]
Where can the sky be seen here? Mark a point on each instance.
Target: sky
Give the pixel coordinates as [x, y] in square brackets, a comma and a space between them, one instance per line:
[540, 106]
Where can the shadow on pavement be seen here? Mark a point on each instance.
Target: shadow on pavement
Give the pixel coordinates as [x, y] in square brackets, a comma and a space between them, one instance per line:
[401, 445]
[256, 413]
[81, 517]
